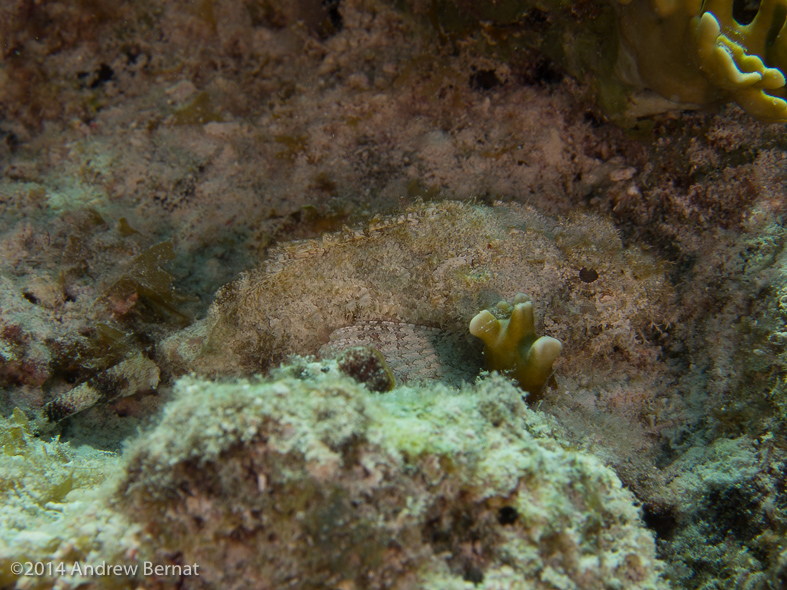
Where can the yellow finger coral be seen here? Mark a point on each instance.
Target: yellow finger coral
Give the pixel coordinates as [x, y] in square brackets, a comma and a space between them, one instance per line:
[694, 52]
[512, 347]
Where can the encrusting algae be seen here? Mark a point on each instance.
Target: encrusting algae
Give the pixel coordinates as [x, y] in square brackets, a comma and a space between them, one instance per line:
[309, 480]
[354, 436]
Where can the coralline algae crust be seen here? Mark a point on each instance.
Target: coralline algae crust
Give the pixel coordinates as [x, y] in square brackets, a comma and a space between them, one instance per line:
[313, 481]
[55, 510]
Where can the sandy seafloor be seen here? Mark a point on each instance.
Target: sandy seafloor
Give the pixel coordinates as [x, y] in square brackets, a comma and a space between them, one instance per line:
[153, 152]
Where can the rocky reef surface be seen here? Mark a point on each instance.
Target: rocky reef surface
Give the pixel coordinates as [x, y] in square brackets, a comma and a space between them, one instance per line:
[202, 205]
[309, 480]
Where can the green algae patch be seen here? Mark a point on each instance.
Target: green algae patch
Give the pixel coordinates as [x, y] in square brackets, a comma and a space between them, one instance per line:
[197, 112]
[314, 472]
[53, 508]
[308, 476]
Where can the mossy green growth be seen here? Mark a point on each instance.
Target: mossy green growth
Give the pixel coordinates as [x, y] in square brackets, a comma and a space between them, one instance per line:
[37, 471]
[200, 110]
[315, 479]
[50, 504]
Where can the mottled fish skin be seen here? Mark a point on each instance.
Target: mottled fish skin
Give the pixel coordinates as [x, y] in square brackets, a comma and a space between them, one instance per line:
[132, 375]
[409, 285]
[415, 353]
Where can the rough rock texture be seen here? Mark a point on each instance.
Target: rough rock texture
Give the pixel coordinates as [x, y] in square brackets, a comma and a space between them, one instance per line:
[55, 510]
[139, 139]
[220, 128]
[722, 517]
[312, 481]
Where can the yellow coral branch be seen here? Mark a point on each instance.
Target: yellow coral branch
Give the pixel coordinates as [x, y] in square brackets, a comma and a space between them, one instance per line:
[512, 347]
[700, 54]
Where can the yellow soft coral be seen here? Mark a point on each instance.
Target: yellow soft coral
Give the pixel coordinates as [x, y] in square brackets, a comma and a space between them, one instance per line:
[694, 52]
[512, 347]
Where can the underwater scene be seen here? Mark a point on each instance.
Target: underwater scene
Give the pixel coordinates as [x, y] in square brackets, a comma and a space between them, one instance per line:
[393, 294]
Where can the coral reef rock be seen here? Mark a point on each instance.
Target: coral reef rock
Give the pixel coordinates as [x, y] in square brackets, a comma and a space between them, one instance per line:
[722, 518]
[308, 480]
[54, 512]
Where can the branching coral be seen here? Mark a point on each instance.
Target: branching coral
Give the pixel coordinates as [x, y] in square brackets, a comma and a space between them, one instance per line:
[694, 52]
[512, 346]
